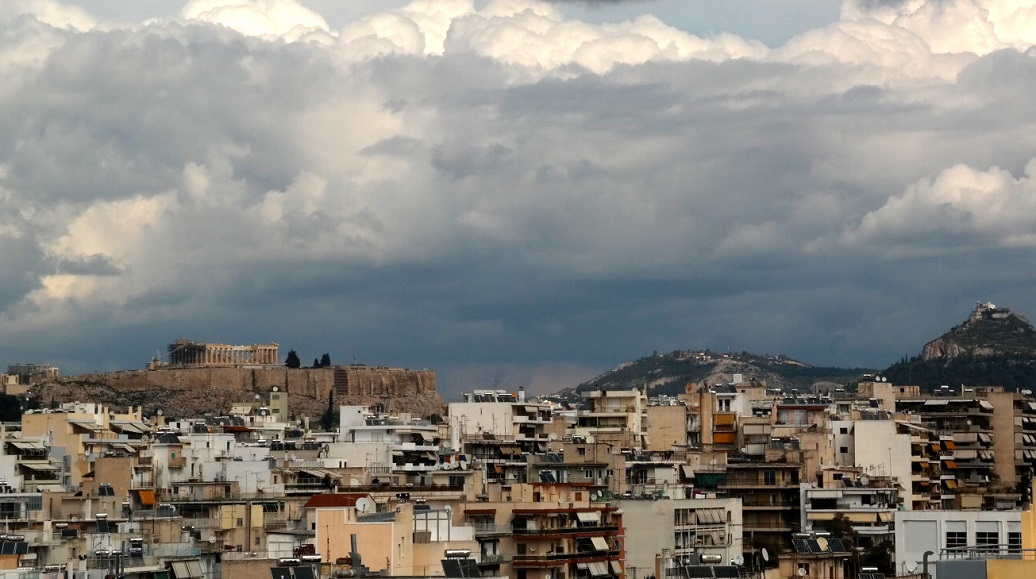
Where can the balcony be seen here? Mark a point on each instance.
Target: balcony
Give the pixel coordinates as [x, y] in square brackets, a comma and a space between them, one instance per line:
[494, 559]
[570, 557]
[566, 531]
[492, 529]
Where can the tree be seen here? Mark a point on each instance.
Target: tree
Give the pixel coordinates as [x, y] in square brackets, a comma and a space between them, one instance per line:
[325, 361]
[327, 420]
[316, 363]
[10, 408]
[292, 361]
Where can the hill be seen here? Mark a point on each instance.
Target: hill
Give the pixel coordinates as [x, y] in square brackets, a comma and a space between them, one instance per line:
[671, 372]
[994, 347]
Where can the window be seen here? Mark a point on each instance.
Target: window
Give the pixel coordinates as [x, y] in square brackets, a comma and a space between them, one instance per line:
[581, 451]
[843, 449]
[843, 430]
[1014, 541]
[240, 522]
[956, 539]
[769, 477]
[987, 539]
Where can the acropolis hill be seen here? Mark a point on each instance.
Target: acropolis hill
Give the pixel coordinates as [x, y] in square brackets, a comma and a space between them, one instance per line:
[208, 378]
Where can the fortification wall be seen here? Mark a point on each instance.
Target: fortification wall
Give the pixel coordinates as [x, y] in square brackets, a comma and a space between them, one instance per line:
[197, 390]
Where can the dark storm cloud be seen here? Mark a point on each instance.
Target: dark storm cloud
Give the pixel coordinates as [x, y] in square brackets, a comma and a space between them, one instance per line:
[504, 205]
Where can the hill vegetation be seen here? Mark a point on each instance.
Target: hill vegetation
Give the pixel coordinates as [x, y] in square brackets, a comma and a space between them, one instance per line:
[994, 347]
[670, 373]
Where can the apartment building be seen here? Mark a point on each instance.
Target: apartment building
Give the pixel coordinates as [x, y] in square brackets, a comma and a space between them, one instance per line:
[709, 526]
[616, 417]
[966, 454]
[561, 529]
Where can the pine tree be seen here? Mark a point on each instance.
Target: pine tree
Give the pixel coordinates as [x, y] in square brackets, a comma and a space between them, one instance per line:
[292, 361]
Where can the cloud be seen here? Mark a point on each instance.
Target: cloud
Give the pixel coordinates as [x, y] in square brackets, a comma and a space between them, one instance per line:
[960, 206]
[499, 188]
[53, 13]
[286, 19]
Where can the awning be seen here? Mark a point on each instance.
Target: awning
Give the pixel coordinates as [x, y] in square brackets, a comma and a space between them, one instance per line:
[687, 472]
[936, 402]
[128, 427]
[600, 544]
[599, 569]
[180, 570]
[616, 568]
[39, 466]
[885, 517]
[820, 516]
[87, 424]
[709, 516]
[427, 436]
[950, 483]
[147, 497]
[861, 517]
[985, 404]
[50, 488]
[591, 517]
[951, 464]
[985, 438]
[26, 445]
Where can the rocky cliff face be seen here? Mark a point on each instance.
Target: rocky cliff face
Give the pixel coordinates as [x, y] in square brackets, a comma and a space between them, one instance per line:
[989, 331]
[198, 391]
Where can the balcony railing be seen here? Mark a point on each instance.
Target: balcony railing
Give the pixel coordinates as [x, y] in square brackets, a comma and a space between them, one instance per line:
[482, 529]
[519, 532]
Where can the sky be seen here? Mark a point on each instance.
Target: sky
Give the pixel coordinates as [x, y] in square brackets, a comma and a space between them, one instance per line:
[511, 192]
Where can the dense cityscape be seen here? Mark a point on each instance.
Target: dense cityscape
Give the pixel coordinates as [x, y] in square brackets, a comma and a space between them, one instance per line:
[592, 289]
[728, 479]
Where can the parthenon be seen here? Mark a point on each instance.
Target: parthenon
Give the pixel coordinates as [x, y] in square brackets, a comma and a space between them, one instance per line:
[190, 353]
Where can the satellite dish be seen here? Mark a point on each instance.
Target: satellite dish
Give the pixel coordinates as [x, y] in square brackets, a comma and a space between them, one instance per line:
[590, 439]
[553, 436]
[364, 505]
[803, 572]
[274, 388]
[766, 555]
[739, 560]
[822, 542]
[864, 480]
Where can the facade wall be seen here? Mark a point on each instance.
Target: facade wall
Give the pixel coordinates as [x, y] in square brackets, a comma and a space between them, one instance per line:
[920, 531]
[652, 526]
[1004, 443]
[667, 427]
[880, 450]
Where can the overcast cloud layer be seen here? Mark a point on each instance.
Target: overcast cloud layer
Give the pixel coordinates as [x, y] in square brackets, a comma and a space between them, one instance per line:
[506, 194]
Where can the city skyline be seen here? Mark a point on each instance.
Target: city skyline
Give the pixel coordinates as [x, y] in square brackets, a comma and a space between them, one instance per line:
[517, 192]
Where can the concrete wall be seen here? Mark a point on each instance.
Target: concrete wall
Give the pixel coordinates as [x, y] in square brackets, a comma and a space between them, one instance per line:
[920, 531]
